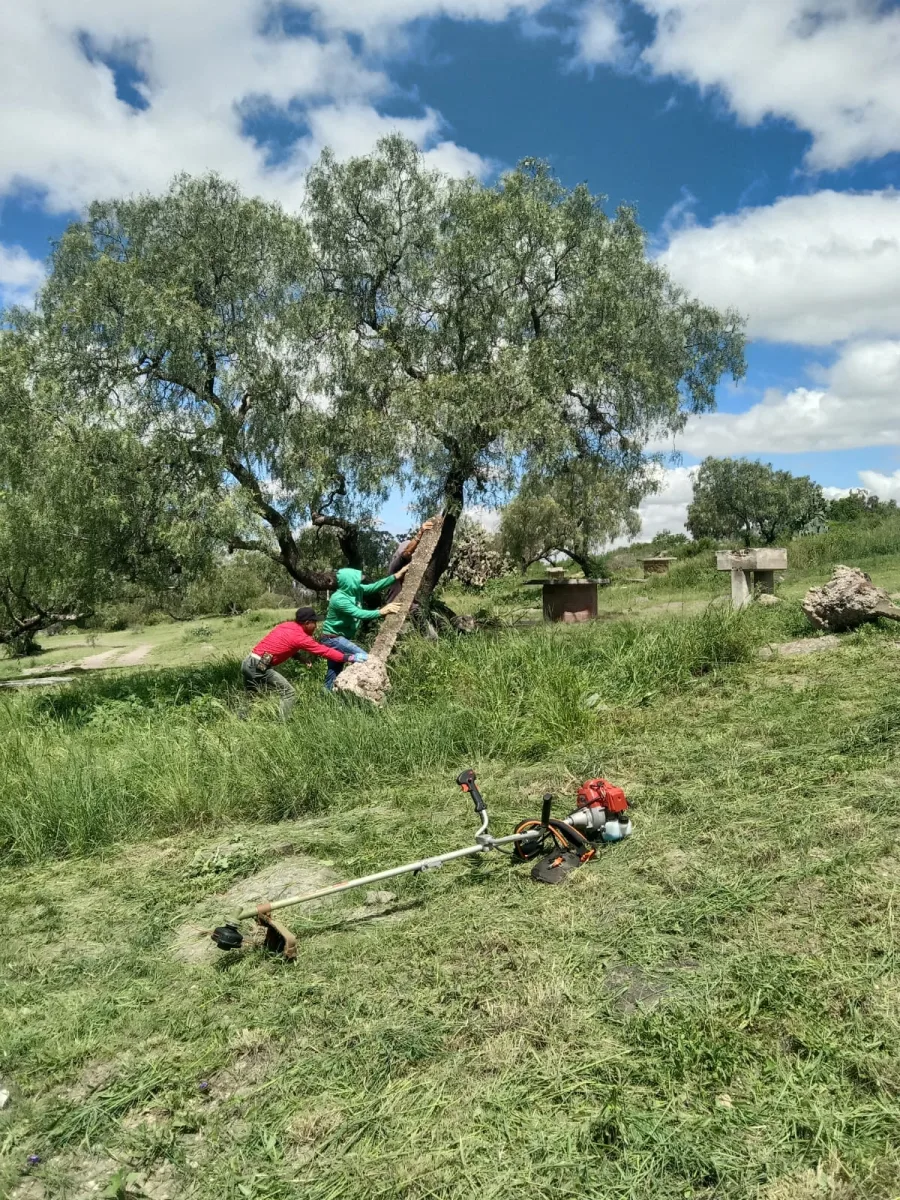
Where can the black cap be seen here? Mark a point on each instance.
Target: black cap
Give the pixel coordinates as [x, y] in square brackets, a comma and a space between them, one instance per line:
[302, 615]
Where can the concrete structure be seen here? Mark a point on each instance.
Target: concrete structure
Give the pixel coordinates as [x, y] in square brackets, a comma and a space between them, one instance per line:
[568, 600]
[657, 565]
[751, 569]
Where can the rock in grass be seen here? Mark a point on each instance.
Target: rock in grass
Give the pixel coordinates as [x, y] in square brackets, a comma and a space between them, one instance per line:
[4, 1097]
[849, 599]
[767, 600]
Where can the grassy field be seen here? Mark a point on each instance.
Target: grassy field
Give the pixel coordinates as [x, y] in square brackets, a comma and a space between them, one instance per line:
[710, 1010]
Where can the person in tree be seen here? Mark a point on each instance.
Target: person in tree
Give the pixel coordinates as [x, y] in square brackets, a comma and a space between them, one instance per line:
[403, 556]
[280, 644]
[346, 613]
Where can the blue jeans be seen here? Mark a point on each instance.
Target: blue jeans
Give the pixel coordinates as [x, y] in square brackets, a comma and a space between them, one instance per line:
[346, 647]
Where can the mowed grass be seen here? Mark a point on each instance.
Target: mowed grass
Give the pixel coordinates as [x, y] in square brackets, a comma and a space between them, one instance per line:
[710, 1010]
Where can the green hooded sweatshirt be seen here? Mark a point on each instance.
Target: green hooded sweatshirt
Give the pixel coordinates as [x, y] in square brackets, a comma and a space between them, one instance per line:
[344, 610]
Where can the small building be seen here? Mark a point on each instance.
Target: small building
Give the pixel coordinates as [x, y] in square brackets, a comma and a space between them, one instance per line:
[657, 565]
[568, 600]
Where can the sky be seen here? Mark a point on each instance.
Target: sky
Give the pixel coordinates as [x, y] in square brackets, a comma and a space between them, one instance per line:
[758, 139]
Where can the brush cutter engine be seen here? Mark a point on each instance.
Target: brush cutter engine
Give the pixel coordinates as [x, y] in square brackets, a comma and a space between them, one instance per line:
[601, 816]
[602, 811]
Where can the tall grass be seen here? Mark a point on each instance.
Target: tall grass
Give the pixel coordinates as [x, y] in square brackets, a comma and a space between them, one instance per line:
[153, 753]
[851, 543]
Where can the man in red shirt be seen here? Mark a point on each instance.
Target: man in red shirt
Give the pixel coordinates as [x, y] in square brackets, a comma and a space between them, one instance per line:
[280, 644]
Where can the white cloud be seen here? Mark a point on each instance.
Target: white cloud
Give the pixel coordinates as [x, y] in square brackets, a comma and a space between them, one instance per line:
[885, 487]
[859, 405]
[351, 130]
[667, 508]
[204, 67]
[810, 269]
[374, 18]
[600, 36]
[487, 518]
[829, 66]
[20, 275]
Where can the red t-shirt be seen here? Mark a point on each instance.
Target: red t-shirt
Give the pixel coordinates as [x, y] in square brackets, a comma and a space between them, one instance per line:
[286, 639]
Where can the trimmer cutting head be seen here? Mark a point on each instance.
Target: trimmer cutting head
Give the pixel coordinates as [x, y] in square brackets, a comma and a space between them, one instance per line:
[227, 937]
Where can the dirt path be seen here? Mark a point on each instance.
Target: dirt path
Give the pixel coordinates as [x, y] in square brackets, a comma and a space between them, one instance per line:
[96, 662]
[134, 657]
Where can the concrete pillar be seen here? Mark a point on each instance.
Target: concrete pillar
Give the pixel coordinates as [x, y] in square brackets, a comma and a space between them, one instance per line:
[764, 581]
[741, 593]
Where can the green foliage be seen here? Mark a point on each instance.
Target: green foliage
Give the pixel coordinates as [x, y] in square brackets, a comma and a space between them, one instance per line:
[243, 581]
[195, 317]
[860, 505]
[854, 543]
[320, 547]
[478, 556]
[737, 498]
[506, 327]
[279, 371]
[576, 513]
[88, 512]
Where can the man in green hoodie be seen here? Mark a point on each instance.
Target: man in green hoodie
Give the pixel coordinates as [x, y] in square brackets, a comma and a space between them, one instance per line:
[346, 614]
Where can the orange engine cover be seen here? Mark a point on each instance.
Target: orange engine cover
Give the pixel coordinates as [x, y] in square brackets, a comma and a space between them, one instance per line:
[600, 793]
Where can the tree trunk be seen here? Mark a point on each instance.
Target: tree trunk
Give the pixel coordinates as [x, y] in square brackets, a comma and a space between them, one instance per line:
[580, 560]
[347, 535]
[453, 506]
[21, 638]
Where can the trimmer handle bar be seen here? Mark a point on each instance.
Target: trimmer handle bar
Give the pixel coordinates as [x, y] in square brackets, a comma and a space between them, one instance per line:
[466, 780]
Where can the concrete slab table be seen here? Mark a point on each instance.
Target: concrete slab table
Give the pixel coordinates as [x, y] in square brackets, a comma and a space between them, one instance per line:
[751, 569]
[657, 565]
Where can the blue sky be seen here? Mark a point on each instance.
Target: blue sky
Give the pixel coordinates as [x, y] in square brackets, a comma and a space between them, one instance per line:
[759, 141]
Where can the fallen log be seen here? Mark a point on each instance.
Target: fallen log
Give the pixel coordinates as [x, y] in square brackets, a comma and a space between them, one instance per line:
[849, 599]
[369, 680]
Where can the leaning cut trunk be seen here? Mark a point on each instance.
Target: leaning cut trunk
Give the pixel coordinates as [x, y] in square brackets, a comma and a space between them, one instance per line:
[369, 680]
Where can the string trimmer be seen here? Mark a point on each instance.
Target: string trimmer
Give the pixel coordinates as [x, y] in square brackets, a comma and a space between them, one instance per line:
[556, 847]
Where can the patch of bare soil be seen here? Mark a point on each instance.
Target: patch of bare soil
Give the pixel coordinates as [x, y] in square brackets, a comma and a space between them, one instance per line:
[134, 657]
[291, 876]
[96, 662]
[634, 988]
[803, 646]
[77, 1176]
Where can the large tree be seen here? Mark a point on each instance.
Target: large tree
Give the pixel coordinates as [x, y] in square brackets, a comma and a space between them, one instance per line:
[87, 510]
[505, 329]
[737, 498]
[196, 318]
[576, 514]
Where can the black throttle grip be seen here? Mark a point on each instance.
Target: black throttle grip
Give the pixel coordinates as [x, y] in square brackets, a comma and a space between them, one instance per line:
[545, 810]
[466, 780]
